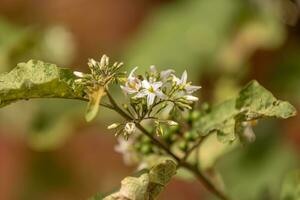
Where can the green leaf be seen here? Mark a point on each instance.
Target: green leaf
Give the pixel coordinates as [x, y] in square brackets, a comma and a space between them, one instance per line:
[256, 102]
[291, 186]
[148, 185]
[98, 196]
[93, 105]
[36, 79]
[253, 102]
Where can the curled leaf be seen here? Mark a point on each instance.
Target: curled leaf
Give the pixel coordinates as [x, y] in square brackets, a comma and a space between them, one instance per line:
[254, 102]
[95, 97]
[146, 186]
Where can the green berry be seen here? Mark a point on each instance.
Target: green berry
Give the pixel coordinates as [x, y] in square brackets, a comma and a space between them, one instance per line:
[188, 136]
[137, 146]
[146, 140]
[183, 145]
[195, 115]
[146, 149]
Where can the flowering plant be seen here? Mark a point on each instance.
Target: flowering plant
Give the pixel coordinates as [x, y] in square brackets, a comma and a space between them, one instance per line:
[163, 128]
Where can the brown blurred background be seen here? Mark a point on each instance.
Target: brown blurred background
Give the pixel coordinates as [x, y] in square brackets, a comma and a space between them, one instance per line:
[48, 152]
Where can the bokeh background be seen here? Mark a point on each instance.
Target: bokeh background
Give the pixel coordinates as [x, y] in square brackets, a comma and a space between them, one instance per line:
[48, 151]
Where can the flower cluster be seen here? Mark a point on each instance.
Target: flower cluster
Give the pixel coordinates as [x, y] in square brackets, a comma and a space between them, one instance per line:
[96, 82]
[101, 73]
[156, 87]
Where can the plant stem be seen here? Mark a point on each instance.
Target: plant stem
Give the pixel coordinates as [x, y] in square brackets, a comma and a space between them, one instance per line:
[141, 128]
[205, 181]
[181, 162]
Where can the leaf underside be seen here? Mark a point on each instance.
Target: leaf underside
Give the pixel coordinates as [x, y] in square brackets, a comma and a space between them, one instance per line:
[148, 185]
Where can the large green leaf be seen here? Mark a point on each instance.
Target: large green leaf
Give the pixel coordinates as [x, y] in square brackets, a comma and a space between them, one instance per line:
[253, 102]
[148, 185]
[36, 79]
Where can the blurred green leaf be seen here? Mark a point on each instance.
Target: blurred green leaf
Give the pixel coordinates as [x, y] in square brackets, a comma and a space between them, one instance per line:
[186, 34]
[36, 79]
[98, 196]
[291, 186]
[254, 102]
[255, 172]
[148, 185]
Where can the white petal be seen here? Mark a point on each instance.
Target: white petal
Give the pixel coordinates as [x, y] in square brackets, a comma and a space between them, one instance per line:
[156, 85]
[175, 79]
[166, 73]
[132, 71]
[192, 88]
[150, 99]
[145, 84]
[160, 94]
[128, 90]
[141, 94]
[78, 74]
[183, 77]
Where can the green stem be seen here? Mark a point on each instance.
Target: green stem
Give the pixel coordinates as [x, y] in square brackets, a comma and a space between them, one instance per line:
[141, 128]
[181, 163]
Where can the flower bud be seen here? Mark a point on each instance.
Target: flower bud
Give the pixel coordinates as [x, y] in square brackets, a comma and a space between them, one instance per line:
[172, 123]
[78, 74]
[113, 126]
[129, 128]
[104, 61]
[190, 98]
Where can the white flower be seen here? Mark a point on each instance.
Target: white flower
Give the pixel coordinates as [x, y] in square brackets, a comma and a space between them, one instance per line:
[151, 90]
[125, 147]
[133, 84]
[78, 74]
[164, 75]
[184, 85]
[190, 98]
[129, 128]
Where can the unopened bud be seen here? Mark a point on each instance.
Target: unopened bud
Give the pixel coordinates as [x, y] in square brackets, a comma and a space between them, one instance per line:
[78, 74]
[172, 123]
[190, 98]
[113, 126]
